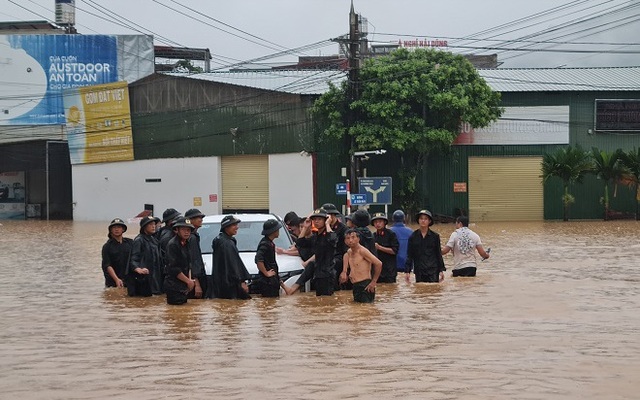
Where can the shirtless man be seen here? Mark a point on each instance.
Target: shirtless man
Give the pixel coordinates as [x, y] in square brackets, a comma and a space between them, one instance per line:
[359, 259]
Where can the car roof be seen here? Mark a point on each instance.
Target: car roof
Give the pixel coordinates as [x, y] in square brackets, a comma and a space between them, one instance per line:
[242, 217]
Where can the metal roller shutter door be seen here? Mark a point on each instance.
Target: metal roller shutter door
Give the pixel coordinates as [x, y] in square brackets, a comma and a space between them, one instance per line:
[245, 182]
[505, 189]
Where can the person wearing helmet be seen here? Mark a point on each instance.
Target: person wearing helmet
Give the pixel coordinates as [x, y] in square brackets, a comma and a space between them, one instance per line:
[144, 272]
[402, 233]
[339, 228]
[424, 255]
[115, 254]
[166, 233]
[348, 221]
[362, 219]
[229, 274]
[178, 281]
[197, 264]
[269, 283]
[323, 243]
[387, 245]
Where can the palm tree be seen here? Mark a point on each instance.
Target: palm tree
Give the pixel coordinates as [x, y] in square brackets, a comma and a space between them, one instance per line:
[608, 167]
[569, 164]
[631, 161]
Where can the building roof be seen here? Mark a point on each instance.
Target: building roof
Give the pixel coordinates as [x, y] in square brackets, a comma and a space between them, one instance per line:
[17, 26]
[500, 80]
[288, 81]
[563, 79]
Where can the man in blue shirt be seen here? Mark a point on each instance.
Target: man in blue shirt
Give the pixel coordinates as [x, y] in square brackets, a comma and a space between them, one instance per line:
[402, 233]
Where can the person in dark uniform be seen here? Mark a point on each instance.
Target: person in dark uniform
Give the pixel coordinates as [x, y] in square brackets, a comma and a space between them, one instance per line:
[424, 253]
[323, 242]
[115, 254]
[197, 264]
[166, 233]
[348, 221]
[178, 281]
[361, 220]
[228, 271]
[145, 265]
[292, 222]
[269, 283]
[308, 262]
[339, 228]
[387, 246]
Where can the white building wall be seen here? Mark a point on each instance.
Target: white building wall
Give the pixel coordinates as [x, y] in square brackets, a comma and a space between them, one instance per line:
[104, 191]
[291, 183]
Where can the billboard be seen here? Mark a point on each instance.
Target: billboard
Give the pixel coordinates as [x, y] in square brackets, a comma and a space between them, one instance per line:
[521, 125]
[37, 69]
[99, 123]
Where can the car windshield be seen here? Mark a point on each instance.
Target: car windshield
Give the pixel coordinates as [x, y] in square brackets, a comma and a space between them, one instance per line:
[248, 237]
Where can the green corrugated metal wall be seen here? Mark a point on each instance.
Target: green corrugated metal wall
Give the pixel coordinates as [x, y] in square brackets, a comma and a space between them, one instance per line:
[442, 171]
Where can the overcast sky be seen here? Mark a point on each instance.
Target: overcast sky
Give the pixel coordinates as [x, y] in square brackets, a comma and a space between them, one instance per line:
[603, 32]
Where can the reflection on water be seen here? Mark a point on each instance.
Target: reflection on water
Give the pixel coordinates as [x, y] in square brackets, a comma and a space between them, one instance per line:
[552, 315]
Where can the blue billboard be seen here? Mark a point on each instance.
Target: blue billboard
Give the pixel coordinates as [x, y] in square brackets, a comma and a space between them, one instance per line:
[35, 70]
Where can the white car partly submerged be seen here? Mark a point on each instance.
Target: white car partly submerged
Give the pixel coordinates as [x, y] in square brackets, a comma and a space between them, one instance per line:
[248, 237]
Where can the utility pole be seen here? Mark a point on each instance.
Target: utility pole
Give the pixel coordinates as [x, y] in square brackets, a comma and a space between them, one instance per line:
[354, 93]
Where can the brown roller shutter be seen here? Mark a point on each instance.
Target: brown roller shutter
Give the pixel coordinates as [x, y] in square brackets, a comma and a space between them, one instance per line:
[245, 183]
[505, 189]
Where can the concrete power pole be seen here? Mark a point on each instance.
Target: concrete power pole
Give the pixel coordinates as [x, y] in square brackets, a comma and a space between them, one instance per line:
[354, 92]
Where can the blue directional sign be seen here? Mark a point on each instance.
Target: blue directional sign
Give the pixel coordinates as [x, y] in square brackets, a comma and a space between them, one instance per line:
[358, 199]
[378, 189]
[341, 188]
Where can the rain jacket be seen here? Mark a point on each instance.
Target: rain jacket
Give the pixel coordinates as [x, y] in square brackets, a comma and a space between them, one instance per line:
[424, 256]
[115, 255]
[387, 238]
[145, 253]
[228, 270]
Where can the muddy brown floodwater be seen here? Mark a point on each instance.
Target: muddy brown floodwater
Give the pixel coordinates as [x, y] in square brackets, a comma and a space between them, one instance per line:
[554, 314]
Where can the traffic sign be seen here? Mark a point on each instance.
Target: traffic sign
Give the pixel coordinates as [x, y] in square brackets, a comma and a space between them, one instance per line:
[341, 188]
[378, 190]
[358, 199]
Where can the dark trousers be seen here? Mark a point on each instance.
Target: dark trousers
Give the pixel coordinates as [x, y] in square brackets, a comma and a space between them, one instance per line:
[360, 295]
[428, 276]
[138, 285]
[269, 287]
[176, 297]
[307, 274]
[469, 271]
[324, 286]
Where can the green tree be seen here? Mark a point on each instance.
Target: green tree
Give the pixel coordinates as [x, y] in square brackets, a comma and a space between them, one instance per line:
[570, 164]
[186, 66]
[410, 101]
[631, 161]
[608, 167]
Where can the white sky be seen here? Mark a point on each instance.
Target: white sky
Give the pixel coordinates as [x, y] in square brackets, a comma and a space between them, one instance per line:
[291, 24]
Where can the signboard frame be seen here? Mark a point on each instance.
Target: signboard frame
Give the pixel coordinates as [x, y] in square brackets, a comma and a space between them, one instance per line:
[379, 189]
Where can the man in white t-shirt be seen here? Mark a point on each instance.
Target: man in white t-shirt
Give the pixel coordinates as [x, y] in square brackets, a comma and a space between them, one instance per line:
[464, 242]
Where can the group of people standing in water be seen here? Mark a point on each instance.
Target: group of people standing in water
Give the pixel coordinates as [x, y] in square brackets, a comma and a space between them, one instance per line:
[338, 253]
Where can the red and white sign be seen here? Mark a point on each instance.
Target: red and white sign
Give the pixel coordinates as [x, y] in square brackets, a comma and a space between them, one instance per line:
[459, 187]
[213, 198]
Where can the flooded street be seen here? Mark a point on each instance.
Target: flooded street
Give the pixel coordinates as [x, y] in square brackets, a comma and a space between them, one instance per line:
[554, 314]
